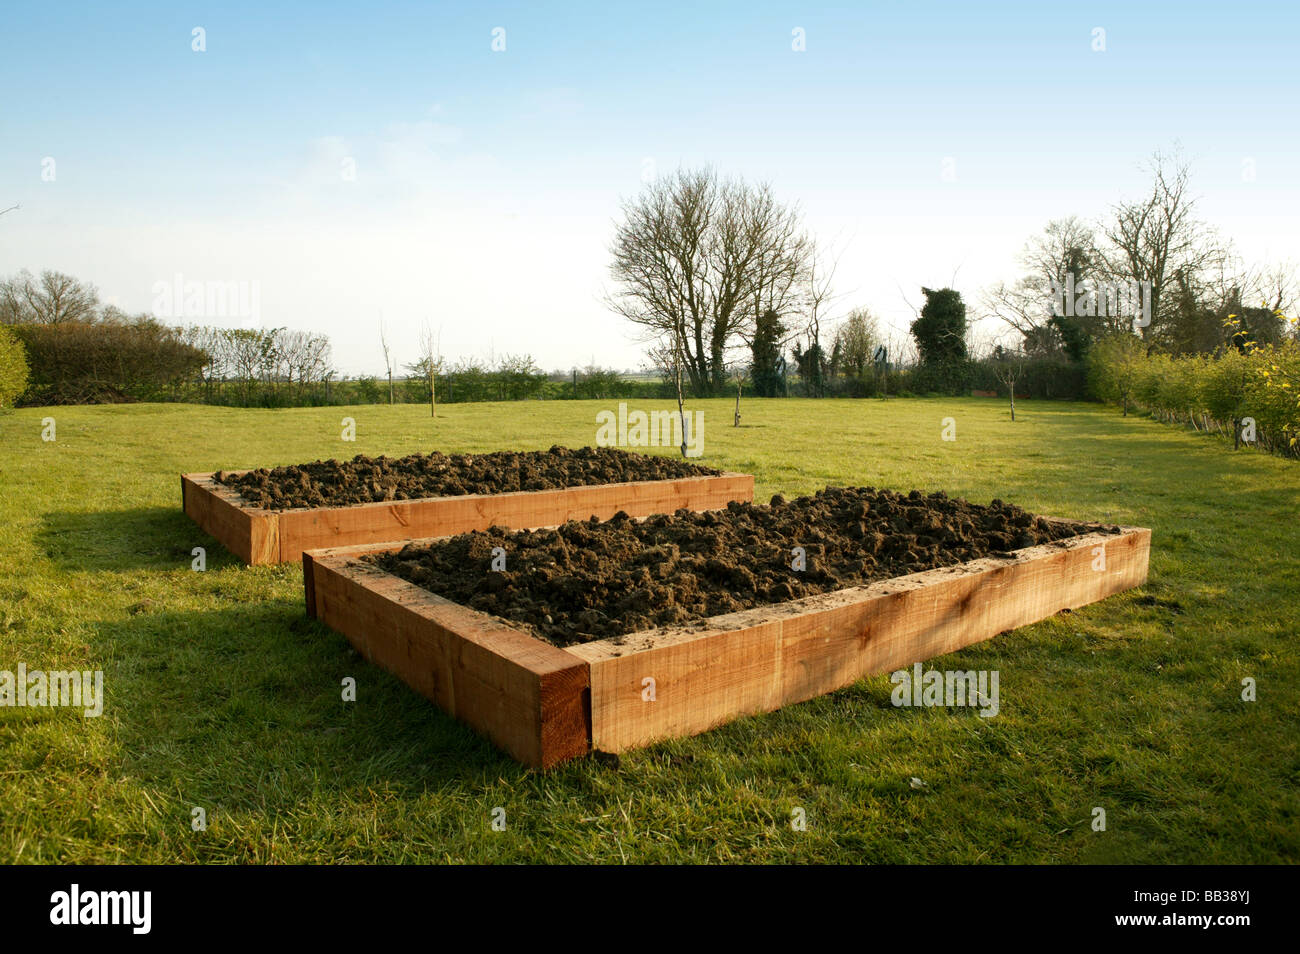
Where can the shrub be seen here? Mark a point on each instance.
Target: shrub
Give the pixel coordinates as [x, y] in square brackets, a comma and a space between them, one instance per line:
[1213, 393]
[1227, 382]
[1275, 397]
[940, 331]
[368, 390]
[1113, 366]
[13, 368]
[951, 376]
[80, 362]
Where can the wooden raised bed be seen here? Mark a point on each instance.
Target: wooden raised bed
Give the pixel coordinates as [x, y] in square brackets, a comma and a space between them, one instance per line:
[257, 535]
[543, 704]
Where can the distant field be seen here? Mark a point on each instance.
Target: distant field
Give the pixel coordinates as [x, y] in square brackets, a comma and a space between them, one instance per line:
[222, 695]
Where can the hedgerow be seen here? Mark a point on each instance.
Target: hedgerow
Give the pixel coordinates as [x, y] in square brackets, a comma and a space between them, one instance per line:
[1251, 393]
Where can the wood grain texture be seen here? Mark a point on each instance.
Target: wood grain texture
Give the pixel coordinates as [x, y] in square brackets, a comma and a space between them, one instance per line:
[761, 659]
[528, 697]
[268, 536]
[247, 532]
[329, 527]
[542, 704]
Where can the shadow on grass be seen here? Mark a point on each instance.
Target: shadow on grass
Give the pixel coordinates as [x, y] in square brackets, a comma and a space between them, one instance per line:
[142, 538]
[244, 707]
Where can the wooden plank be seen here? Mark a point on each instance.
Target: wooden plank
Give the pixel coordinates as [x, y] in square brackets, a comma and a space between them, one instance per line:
[247, 532]
[761, 659]
[268, 536]
[309, 584]
[329, 527]
[700, 679]
[526, 696]
[532, 700]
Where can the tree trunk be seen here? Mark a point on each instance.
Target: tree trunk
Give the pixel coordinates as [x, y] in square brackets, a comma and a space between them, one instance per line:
[718, 384]
[681, 411]
[698, 364]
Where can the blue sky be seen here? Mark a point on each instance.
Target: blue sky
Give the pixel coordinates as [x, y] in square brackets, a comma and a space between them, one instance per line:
[487, 183]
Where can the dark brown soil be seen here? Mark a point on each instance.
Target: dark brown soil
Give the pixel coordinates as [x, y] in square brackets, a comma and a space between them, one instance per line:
[591, 580]
[332, 483]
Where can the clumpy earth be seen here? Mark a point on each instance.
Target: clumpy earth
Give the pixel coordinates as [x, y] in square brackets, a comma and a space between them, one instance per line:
[590, 580]
[332, 483]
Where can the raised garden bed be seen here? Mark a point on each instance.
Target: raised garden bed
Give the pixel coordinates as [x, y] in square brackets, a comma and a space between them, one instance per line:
[321, 505]
[544, 703]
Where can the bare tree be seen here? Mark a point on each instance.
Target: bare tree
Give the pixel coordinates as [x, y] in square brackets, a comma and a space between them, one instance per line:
[779, 270]
[678, 360]
[694, 257]
[738, 371]
[667, 355]
[1156, 238]
[270, 361]
[1066, 246]
[430, 363]
[1008, 367]
[1277, 287]
[13, 305]
[1064, 253]
[54, 298]
[1021, 306]
[212, 342]
[315, 359]
[246, 348]
[819, 296]
[290, 348]
[388, 363]
[304, 356]
[1234, 286]
[61, 298]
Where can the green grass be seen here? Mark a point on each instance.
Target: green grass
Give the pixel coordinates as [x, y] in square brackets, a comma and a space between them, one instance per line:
[221, 694]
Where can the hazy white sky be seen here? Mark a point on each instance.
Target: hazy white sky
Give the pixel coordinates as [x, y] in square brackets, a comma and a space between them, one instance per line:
[486, 183]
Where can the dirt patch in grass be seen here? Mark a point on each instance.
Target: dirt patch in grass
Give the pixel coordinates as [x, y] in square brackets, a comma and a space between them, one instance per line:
[332, 483]
[591, 580]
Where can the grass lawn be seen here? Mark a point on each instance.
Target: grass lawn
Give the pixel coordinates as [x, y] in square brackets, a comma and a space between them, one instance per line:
[222, 695]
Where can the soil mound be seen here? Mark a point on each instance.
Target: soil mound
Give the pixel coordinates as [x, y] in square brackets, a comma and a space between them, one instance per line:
[332, 483]
[592, 580]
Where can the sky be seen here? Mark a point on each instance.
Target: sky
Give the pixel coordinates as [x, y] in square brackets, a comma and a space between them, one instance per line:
[352, 164]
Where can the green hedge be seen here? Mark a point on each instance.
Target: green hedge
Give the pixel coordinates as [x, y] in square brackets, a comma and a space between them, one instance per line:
[1210, 393]
[13, 368]
[93, 362]
[1047, 378]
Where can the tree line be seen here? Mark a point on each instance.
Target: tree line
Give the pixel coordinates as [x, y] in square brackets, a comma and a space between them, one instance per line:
[726, 284]
[59, 344]
[732, 295]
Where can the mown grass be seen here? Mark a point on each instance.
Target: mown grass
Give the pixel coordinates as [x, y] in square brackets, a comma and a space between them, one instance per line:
[221, 695]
